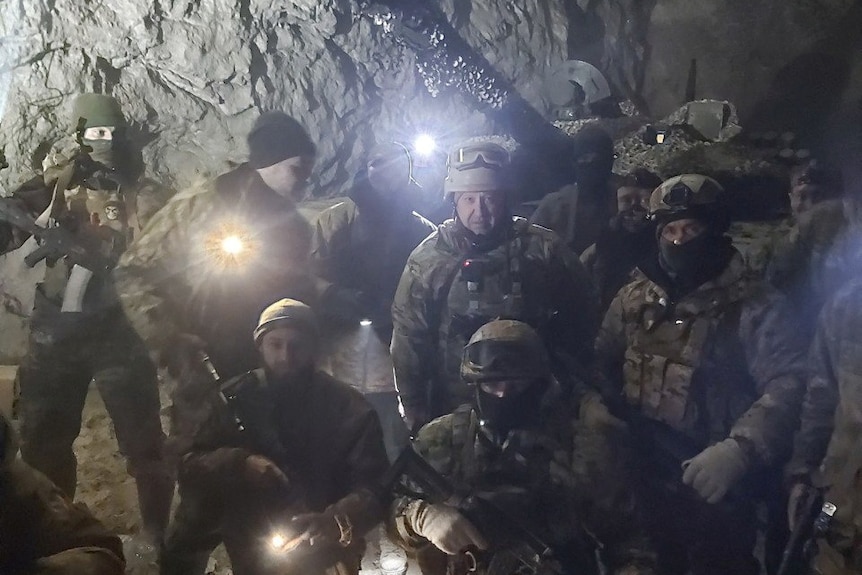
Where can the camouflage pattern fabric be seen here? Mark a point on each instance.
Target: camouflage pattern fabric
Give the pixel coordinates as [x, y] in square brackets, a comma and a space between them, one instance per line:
[44, 533]
[812, 262]
[181, 277]
[724, 360]
[827, 445]
[570, 486]
[439, 304]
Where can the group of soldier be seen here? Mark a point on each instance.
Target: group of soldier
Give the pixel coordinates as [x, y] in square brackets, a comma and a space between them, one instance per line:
[625, 412]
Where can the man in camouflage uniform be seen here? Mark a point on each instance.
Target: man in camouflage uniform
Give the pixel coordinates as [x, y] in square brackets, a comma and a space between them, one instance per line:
[78, 330]
[294, 490]
[518, 446]
[220, 251]
[628, 239]
[705, 364]
[41, 531]
[481, 265]
[580, 212]
[810, 263]
[827, 452]
[362, 244]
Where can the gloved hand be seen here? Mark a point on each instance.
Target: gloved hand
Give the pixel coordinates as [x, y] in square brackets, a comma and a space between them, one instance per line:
[797, 494]
[180, 352]
[594, 413]
[715, 470]
[444, 527]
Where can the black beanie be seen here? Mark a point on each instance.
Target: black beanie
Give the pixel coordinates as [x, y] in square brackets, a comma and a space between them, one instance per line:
[276, 137]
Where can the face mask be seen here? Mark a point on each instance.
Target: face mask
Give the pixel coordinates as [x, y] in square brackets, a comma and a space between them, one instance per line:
[699, 258]
[500, 415]
[103, 151]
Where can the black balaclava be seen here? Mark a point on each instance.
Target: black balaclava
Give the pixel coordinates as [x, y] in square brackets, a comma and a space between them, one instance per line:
[698, 260]
[592, 176]
[501, 415]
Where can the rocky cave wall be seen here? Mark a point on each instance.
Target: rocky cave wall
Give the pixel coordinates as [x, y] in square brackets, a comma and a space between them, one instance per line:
[194, 74]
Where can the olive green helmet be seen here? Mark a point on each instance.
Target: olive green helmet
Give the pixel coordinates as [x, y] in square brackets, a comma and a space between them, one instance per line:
[476, 167]
[688, 196]
[97, 110]
[504, 350]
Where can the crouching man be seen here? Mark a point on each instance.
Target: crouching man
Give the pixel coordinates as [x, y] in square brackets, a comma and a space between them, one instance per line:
[518, 448]
[41, 531]
[283, 471]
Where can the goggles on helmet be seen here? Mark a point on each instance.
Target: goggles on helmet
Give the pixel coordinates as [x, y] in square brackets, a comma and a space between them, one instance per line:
[480, 156]
[496, 360]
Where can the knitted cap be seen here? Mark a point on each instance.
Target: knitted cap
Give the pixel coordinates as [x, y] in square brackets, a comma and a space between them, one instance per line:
[276, 137]
[286, 313]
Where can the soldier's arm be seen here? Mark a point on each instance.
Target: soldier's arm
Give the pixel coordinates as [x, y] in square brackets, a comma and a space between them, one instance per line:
[58, 533]
[545, 212]
[151, 198]
[150, 277]
[331, 231]
[821, 400]
[413, 337]
[609, 350]
[775, 354]
[789, 261]
[365, 463]
[33, 197]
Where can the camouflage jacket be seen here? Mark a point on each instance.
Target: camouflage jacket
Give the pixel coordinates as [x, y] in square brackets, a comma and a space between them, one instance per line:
[105, 216]
[829, 437]
[565, 482]
[811, 262]
[448, 290]
[577, 222]
[179, 277]
[359, 246]
[42, 532]
[724, 360]
[322, 433]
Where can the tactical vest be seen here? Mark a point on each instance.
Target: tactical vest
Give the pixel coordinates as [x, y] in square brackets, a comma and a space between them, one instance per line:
[488, 286]
[665, 372]
[105, 221]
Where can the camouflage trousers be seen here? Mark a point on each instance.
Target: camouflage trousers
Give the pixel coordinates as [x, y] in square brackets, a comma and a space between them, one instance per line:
[54, 379]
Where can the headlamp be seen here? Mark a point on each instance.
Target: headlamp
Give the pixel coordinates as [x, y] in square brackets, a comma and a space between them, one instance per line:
[365, 322]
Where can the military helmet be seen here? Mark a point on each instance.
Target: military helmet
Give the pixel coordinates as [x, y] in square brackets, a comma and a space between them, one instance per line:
[504, 350]
[688, 196]
[96, 110]
[286, 313]
[476, 167]
[386, 154]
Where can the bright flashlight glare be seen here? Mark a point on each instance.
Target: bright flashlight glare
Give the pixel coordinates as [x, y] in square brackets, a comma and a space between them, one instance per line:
[232, 245]
[424, 145]
[365, 322]
[277, 541]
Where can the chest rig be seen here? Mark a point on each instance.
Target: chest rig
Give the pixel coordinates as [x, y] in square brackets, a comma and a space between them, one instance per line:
[104, 220]
[671, 347]
[488, 286]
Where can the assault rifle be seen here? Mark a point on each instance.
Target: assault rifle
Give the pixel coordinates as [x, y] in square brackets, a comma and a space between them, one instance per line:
[514, 548]
[796, 554]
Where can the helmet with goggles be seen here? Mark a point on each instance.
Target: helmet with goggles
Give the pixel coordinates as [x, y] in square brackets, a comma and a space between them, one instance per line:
[477, 167]
[688, 196]
[504, 350]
